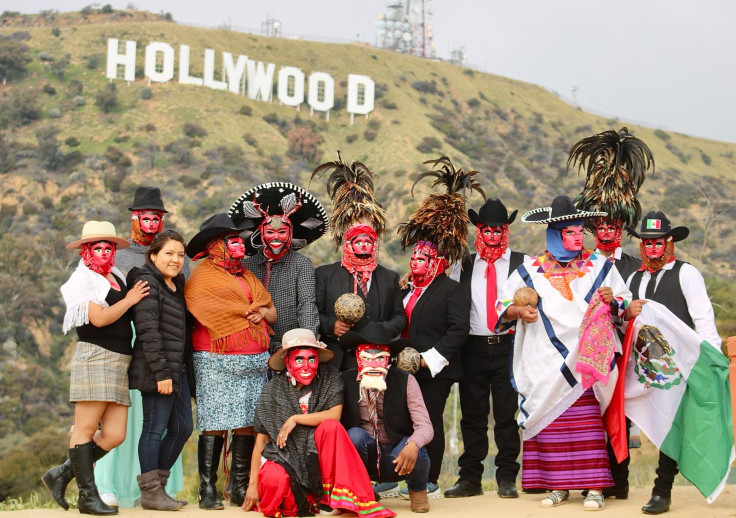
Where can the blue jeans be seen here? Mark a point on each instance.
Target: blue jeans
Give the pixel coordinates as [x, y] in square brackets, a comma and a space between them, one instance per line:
[366, 447]
[167, 424]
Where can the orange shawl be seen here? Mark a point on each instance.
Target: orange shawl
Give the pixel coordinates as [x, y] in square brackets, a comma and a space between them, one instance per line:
[219, 302]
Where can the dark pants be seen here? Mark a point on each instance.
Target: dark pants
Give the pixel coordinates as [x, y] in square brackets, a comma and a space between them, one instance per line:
[487, 373]
[167, 424]
[666, 471]
[366, 447]
[435, 392]
[620, 470]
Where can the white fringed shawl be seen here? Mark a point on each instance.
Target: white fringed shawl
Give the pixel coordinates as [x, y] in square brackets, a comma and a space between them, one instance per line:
[83, 287]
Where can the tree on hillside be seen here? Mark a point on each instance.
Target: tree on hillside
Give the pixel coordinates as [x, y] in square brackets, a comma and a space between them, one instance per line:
[107, 98]
[20, 108]
[13, 59]
[304, 144]
[48, 148]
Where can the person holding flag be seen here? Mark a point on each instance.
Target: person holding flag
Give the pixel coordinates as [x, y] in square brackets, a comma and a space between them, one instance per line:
[676, 388]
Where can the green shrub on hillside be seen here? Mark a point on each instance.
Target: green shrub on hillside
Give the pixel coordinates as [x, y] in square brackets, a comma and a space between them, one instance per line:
[146, 94]
[13, 59]
[304, 144]
[194, 130]
[107, 98]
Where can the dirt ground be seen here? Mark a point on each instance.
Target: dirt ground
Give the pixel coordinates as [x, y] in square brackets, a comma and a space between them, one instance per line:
[686, 503]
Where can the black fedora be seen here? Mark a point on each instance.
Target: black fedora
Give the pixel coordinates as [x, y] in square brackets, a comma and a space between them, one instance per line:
[655, 225]
[562, 209]
[148, 198]
[214, 226]
[372, 333]
[493, 213]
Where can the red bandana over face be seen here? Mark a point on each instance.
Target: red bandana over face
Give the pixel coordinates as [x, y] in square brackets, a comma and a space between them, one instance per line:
[355, 259]
[145, 225]
[98, 257]
[607, 235]
[301, 365]
[489, 244]
[425, 264]
[654, 257]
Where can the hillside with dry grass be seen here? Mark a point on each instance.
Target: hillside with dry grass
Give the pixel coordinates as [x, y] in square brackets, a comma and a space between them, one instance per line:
[74, 146]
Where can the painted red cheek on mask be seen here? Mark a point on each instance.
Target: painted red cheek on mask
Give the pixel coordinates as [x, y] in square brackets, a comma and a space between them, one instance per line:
[236, 247]
[654, 248]
[150, 224]
[275, 239]
[492, 236]
[572, 239]
[102, 254]
[419, 264]
[362, 245]
[302, 364]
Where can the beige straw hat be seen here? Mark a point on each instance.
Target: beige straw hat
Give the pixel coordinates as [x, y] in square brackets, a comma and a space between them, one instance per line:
[94, 231]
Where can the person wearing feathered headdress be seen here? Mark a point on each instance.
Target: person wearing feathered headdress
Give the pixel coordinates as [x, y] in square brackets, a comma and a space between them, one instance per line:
[438, 308]
[563, 352]
[615, 165]
[358, 222]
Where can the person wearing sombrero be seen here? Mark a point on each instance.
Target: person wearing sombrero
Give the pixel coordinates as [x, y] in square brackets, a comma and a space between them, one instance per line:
[486, 356]
[287, 218]
[97, 306]
[116, 473]
[681, 288]
[563, 356]
[385, 415]
[310, 462]
[358, 223]
[230, 339]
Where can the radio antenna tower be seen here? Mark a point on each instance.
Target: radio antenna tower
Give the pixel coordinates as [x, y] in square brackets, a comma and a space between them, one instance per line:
[406, 27]
[271, 27]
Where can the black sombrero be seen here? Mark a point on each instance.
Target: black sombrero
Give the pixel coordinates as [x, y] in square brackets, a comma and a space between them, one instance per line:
[656, 225]
[562, 209]
[310, 221]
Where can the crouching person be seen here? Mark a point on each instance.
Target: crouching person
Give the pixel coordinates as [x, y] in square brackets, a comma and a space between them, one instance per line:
[310, 464]
[385, 415]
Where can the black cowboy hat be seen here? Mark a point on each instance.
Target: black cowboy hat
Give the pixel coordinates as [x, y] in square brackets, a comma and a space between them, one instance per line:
[493, 213]
[214, 226]
[655, 225]
[371, 333]
[148, 198]
[562, 209]
[309, 222]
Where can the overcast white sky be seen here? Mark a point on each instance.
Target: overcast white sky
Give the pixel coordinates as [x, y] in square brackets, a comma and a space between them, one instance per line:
[662, 63]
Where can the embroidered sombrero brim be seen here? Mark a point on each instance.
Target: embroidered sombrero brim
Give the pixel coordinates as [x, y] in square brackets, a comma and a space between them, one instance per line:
[543, 215]
[310, 221]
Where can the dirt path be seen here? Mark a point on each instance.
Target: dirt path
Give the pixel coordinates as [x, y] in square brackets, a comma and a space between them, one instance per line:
[686, 503]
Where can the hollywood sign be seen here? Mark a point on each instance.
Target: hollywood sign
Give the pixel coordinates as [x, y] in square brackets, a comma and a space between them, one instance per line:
[242, 76]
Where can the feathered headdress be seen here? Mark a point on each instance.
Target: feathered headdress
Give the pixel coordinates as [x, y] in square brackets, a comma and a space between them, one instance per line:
[615, 165]
[442, 218]
[351, 189]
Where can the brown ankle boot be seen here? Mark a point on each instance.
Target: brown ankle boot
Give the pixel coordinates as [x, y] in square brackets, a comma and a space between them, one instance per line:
[419, 501]
[153, 495]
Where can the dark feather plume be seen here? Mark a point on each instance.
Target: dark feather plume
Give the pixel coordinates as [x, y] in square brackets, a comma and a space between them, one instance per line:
[615, 165]
[351, 188]
[442, 218]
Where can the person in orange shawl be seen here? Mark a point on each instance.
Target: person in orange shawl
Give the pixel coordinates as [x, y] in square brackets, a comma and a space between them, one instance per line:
[230, 340]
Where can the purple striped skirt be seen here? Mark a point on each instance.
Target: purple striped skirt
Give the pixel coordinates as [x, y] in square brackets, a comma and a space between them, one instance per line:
[570, 453]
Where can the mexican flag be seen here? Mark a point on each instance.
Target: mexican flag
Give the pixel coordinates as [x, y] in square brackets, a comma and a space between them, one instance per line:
[677, 392]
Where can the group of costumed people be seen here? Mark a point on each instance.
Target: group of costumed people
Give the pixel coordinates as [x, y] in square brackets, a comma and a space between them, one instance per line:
[321, 389]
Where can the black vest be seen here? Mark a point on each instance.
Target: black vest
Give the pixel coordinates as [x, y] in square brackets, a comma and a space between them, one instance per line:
[466, 276]
[396, 416]
[668, 292]
[627, 265]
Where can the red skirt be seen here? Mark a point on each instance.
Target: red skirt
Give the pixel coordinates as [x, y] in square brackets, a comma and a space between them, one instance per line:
[345, 481]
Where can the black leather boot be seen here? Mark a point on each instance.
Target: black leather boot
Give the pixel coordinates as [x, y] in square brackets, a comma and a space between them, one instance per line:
[242, 451]
[209, 450]
[89, 499]
[57, 478]
[657, 505]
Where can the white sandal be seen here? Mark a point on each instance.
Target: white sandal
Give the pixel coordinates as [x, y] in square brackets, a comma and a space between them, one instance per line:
[593, 501]
[555, 498]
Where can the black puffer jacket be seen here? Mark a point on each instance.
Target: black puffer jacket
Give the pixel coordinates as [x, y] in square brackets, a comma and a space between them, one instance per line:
[160, 348]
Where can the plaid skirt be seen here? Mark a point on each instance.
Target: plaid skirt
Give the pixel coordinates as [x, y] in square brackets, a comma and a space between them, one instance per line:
[228, 387]
[99, 375]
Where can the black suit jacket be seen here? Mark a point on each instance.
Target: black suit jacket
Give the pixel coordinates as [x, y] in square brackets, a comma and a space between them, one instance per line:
[441, 319]
[387, 308]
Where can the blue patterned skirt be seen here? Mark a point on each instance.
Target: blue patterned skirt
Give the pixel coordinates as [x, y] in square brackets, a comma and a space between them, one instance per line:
[228, 386]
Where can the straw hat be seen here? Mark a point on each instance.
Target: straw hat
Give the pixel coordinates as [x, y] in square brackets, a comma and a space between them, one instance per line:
[94, 231]
[298, 338]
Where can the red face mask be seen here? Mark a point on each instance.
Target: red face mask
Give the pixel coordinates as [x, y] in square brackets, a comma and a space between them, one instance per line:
[235, 246]
[103, 254]
[145, 225]
[419, 264]
[150, 222]
[362, 246]
[654, 248]
[373, 363]
[491, 236]
[572, 238]
[277, 240]
[607, 235]
[302, 364]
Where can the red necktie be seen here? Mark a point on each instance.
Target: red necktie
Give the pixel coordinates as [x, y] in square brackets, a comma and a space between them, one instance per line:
[409, 308]
[491, 295]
